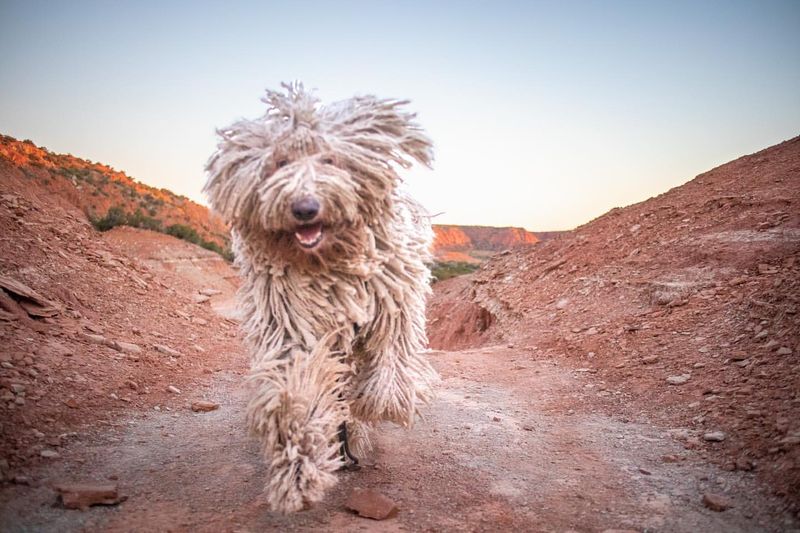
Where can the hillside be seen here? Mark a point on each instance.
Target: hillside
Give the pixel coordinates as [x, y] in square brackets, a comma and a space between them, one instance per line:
[97, 189]
[684, 306]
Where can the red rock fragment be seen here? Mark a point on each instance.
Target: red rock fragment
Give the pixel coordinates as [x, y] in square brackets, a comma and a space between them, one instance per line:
[716, 502]
[371, 504]
[83, 495]
[203, 406]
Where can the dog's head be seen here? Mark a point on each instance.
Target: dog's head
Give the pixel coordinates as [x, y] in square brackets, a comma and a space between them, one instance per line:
[310, 178]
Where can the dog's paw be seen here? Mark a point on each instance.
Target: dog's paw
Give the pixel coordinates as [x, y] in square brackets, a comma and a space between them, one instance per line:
[296, 481]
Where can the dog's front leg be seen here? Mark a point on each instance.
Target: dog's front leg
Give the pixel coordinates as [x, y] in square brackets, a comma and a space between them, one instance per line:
[394, 377]
[295, 410]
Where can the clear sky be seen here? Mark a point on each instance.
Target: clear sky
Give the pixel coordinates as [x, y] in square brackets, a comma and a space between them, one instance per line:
[544, 114]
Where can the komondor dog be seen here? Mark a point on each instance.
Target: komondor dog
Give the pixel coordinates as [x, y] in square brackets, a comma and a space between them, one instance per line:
[333, 257]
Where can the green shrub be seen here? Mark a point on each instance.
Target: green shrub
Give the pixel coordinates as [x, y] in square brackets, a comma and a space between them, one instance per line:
[442, 270]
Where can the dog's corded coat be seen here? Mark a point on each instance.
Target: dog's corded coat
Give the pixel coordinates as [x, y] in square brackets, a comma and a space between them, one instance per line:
[336, 332]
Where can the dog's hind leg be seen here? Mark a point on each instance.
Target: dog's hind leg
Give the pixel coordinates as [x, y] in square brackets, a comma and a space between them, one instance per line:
[296, 411]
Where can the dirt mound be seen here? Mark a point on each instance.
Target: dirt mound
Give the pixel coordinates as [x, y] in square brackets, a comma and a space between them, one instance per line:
[123, 331]
[685, 305]
[163, 253]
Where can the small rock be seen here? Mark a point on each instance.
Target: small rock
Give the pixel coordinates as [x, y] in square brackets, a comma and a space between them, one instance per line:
[17, 388]
[173, 389]
[81, 496]
[678, 380]
[167, 350]
[49, 454]
[94, 329]
[199, 321]
[72, 403]
[94, 339]
[132, 385]
[716, 502]
[495, 419]
[201, 298]
[714, 436]
[124, 347]
[671, 458]
[209, 292]
[783, 350]
[203, 406]
[371, 504]
[650, 359]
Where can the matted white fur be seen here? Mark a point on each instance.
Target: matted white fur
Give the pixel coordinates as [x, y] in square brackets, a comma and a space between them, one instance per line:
[333, 306]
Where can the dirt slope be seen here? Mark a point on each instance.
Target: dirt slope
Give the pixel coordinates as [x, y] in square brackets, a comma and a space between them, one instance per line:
[122, 332]
[700, 284]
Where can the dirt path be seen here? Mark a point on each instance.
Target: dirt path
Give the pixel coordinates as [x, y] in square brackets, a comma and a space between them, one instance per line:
[509, 444]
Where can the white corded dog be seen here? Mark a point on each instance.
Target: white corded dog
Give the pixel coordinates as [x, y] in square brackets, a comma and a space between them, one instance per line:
[333, 258]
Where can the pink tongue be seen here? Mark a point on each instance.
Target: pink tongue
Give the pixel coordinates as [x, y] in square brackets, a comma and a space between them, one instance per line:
[309, 232]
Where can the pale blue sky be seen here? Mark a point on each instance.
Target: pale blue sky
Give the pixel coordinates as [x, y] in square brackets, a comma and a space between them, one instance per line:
[544, 114]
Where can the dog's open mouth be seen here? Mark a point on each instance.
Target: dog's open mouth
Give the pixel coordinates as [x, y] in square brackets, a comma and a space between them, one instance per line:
[309, 235]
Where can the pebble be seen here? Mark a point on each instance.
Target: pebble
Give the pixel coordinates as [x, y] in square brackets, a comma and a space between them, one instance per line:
[783, 350]
[714, 436]
[371, 504]
[125, 347]
[49, 454]
[167, 350]
[173, 389]
[203, 406]
[650, 359]
[94, 339]
[678, 380]
[82, 496]
[716, 502]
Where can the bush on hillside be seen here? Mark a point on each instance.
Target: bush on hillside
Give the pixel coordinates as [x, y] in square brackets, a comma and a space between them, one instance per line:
[116, 216]
[442, 270]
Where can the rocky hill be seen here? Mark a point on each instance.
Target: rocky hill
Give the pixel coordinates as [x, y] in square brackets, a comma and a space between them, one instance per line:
[109, 196]
[686, 304]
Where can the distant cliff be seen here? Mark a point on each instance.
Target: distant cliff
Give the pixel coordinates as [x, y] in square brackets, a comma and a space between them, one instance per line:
[472, 243]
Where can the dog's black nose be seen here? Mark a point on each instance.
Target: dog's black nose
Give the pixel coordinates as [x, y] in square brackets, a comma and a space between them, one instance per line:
[305, 209]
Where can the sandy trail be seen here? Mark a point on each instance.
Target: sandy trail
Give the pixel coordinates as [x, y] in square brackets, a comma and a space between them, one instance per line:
[510, 443]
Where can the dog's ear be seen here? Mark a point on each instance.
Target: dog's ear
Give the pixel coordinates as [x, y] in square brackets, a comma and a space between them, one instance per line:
[236, 167]
[380, 129]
